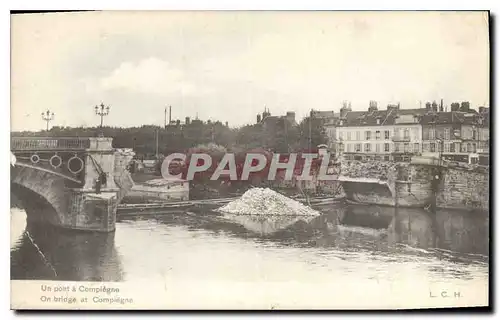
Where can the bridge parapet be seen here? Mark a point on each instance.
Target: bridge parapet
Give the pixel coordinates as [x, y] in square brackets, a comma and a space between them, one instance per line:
[84, 179]
[49, 144]
[61, 143]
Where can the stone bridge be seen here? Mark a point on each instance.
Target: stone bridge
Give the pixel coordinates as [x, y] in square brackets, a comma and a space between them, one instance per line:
[75, 183]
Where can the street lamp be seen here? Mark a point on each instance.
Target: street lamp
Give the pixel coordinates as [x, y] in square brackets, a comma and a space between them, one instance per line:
[101, 111]
[47, 117]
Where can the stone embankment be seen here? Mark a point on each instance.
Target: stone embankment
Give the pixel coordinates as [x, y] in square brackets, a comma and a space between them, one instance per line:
[460, 186]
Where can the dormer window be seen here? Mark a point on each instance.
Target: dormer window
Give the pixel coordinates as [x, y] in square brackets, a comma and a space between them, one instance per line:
[378, 120]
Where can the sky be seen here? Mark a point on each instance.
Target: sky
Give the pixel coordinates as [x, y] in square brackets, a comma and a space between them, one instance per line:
[228, 66]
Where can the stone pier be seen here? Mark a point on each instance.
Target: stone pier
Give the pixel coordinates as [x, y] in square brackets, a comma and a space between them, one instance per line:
[74, 183]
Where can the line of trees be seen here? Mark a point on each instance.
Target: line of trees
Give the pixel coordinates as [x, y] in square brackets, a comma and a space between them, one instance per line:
[279, 136]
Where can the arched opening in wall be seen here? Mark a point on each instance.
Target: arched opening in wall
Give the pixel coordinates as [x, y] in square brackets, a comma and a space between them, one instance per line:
[37, 209]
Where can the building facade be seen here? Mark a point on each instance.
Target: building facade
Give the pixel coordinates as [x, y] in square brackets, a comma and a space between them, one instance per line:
[391, 134]
[396, 134]
[461, 134]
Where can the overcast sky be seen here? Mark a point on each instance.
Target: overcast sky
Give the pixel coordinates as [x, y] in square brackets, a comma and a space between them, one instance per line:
[228, 65]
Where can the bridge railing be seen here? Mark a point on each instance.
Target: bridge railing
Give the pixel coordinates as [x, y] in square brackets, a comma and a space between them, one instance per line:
[42, 143]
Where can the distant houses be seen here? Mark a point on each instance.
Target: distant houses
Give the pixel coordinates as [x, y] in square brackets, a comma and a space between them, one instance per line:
[460, 134]
[456, 132]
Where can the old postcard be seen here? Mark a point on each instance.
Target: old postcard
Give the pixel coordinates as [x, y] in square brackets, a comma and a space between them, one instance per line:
[250, 160]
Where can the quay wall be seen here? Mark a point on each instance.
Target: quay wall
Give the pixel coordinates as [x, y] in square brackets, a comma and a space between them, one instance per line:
[410, 185]
[464, 188]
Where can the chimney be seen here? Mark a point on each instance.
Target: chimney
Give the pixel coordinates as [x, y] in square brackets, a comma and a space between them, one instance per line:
[188, 120]
[343, 112]
[441, 106]
[465, 106]
[290, 116]
[481, 110]
[169, 114]
[373, 106]
[455, 106]
[392, 107]
[178, 122]
[428, 106]
[434, 106]
[259, 118]
[227, 124]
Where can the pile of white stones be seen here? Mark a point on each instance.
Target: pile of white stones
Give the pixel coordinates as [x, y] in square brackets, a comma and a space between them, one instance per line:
[260, 201]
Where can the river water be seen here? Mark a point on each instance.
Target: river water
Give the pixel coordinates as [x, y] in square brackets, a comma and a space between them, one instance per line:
[355, 247]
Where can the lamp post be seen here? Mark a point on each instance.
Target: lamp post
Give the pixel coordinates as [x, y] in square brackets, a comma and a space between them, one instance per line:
[47, 117]
[101, 111]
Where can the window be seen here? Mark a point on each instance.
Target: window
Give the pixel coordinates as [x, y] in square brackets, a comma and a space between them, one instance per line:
[446, 133]
[396, 147]
[415, 134]
[469, 147]
[433, 147]
[387, 147]
[406, 133]
[468, 132]
[474, 147]
[416, 147]
[358, 147]
[358, 135]
[447, 146]
[348, 135]
[432, 134]
[368, 135]
[341, 135]
[377, 135]
[464, 147]
[386, 135]
[425, 147]
[377, 147]
[406, 147]
[367, 147]
[452, 147]
[457, 146]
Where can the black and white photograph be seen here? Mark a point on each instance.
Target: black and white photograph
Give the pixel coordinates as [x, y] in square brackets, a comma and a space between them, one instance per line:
[250, 160]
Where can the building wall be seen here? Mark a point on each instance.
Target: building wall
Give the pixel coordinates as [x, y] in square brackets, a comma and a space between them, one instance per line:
[454, 141]
[378, 140]
[408, 138]
[366, 139]
[331, 133]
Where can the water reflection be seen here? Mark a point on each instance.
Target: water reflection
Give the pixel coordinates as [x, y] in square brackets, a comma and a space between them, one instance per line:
[153, 244]
[357, 226]
[45, 252]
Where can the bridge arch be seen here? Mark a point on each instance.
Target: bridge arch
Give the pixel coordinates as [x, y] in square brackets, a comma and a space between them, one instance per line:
[41, 191]
[77, 181]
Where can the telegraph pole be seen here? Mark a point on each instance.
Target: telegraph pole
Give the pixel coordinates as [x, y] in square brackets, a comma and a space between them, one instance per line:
[47, 117]
[157, 143]
[310, 129]
[165, 119]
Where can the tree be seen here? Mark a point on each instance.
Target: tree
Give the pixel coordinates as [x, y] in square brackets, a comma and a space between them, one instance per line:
[250, 136]
[311, 133]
